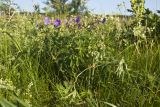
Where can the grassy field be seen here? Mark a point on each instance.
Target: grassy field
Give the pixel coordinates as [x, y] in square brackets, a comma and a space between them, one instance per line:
[86, 61]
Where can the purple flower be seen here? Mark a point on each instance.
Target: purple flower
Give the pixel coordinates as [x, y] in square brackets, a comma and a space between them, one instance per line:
[57, 22]
[77, 20]
[104, 20]
[47, 21]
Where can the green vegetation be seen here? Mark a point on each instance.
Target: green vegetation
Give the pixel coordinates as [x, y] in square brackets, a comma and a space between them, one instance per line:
[66, 6]
[80, 61]
[7, 6]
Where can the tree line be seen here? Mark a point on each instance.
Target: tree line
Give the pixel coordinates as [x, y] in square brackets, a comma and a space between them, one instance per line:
[68, 6]
[52, 6]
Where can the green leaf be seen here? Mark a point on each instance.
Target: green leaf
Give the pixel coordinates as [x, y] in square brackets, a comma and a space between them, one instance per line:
[6, 103]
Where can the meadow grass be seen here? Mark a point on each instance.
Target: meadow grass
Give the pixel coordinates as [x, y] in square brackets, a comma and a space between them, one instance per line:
[98, 65]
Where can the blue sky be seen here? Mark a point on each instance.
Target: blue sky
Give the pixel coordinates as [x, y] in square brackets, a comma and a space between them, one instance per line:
[97, 6]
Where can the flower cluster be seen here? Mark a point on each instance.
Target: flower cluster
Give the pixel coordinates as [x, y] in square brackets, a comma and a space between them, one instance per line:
[47, 21]
[67, 22]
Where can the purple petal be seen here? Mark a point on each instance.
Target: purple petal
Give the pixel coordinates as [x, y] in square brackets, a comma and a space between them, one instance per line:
[57, 22]
[77, 20]
[47, 21]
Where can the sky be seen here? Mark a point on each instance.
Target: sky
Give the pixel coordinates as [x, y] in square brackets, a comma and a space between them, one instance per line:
[97, 6]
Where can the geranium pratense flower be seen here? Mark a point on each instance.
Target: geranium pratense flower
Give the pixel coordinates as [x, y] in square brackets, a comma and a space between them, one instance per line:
[57, 22]
[104, 20]
[77, 19]
[47, 21]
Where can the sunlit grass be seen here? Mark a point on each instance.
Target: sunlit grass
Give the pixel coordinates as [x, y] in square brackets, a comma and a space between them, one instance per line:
[97, 65]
